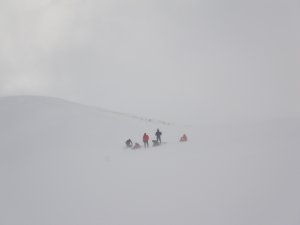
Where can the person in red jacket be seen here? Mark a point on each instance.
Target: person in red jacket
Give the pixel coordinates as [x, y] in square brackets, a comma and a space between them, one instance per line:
[183, 138]
[145, 140]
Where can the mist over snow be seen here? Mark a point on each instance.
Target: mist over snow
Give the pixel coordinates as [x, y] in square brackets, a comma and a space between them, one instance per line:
[65, 163]
[78, 78]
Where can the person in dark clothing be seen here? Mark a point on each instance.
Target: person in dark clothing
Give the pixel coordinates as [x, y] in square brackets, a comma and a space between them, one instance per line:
[129, 143]
[158, 136]
[145, 140]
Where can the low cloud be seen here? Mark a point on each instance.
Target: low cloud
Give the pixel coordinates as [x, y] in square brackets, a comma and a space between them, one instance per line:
[190, 59]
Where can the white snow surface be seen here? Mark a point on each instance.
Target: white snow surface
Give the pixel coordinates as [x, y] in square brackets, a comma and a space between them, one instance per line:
[62, 163]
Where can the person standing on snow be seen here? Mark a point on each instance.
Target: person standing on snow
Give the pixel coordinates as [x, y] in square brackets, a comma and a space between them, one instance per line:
[145, 140]
[158, 136]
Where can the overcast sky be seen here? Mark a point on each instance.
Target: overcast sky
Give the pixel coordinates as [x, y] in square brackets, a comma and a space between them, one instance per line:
[173, 60]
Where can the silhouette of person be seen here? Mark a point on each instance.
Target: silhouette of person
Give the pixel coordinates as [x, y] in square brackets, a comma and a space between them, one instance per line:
[158, 136]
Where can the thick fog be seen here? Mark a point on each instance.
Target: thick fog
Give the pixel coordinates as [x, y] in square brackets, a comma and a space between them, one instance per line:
[150, 62]
[172, 60]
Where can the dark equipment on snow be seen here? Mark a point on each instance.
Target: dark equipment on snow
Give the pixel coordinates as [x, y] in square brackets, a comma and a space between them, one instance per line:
[155, 143]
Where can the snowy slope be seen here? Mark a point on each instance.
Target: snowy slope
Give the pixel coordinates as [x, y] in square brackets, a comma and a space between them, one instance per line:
[64, 163]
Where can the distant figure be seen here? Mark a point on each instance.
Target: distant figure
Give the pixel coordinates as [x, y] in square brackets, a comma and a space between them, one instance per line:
[158, 136]
[155, 143]
[129, 143]
[136, 146]
[145, 140]
[183, 138]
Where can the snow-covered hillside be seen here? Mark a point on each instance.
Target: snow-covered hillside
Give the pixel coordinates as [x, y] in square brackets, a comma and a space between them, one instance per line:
[65, 163]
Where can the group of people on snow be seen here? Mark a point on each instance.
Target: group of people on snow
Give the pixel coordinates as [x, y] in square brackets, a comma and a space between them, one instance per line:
[156, 142]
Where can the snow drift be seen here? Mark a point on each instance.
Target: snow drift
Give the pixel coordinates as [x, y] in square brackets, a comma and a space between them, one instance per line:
[65, 163]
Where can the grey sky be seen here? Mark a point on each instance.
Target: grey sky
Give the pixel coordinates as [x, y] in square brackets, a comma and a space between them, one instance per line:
[174, 60]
